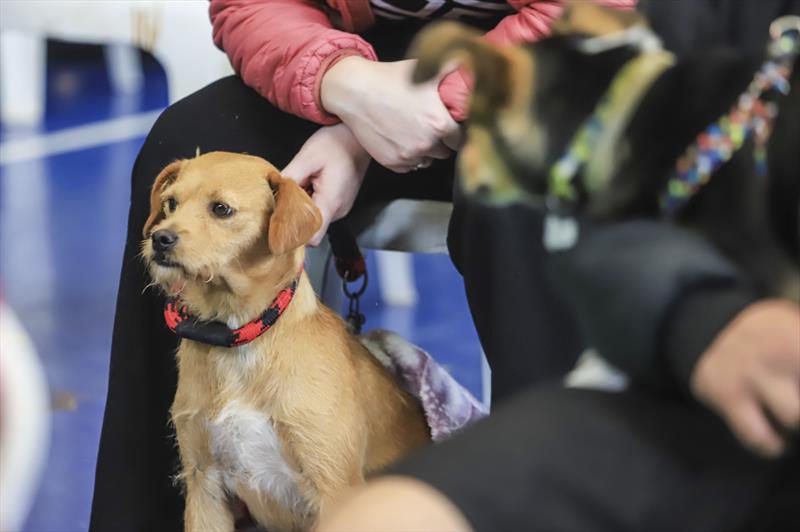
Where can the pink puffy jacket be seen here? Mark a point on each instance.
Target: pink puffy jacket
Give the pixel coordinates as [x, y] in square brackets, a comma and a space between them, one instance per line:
[282, 48]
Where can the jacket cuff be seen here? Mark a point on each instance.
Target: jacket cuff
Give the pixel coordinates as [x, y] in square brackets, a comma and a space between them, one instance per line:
[318, 63]
[326, 64]
[694, 321]
[454, 91]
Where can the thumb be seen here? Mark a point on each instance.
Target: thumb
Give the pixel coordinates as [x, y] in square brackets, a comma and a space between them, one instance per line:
[327, 207]
[301, 169]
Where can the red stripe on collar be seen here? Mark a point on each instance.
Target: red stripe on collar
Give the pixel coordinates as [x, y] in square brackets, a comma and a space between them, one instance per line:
[179, 321]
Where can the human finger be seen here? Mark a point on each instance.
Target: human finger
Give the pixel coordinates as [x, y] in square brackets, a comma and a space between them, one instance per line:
[438, 151]
[327, 211]
[454, 139]
[424, 162]
[781, 396]
[747, 420]
[301, 169]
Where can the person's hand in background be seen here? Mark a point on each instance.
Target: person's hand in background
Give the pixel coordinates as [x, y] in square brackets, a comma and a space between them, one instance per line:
[333, 163]
[750, 375]
[403, 126]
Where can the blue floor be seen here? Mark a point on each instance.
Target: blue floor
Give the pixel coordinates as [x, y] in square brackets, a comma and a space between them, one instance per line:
[62, 226]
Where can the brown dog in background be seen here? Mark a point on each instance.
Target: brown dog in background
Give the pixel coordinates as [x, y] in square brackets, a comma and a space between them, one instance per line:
[288, 421]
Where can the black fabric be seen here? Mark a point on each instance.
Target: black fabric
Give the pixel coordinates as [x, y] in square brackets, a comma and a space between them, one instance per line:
[484, 15]
[556, 459]
[687, 26]
[694, 320]
[622, 279]
[527, 332]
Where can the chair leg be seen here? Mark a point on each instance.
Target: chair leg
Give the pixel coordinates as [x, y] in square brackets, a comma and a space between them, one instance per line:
[124, 68]
[396, 278]
[23, 67]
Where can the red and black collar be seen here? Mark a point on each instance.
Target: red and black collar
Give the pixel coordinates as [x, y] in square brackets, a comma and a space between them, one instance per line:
[217, 333]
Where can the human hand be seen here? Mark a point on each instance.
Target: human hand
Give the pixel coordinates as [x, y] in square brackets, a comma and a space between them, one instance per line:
[751, 374]
[402, 125]
[333, 163]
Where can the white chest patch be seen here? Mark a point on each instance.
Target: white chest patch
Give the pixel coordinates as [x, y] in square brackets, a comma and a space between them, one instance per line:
[244, 443]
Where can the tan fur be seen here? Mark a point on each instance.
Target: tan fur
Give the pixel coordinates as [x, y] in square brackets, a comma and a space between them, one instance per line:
[443, 43]
[502, 99]
[590, 18]
[336, 412]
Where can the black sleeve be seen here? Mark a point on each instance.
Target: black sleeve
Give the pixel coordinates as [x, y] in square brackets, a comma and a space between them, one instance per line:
[784, 170]
[648, 296]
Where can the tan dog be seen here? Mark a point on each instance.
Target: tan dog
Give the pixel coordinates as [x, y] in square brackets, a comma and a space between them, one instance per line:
[288, 421]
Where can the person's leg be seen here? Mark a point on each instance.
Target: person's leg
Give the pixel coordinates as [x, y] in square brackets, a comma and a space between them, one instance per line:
[134, 488]
[526, 331]
[565, 459]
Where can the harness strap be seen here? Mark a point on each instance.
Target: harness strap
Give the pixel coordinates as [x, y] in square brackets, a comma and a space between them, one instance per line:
[594, 145]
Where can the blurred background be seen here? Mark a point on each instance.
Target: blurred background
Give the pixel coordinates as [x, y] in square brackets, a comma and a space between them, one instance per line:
[81, 82]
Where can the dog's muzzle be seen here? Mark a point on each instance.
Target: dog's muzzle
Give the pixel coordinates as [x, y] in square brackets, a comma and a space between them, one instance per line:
[163, 242]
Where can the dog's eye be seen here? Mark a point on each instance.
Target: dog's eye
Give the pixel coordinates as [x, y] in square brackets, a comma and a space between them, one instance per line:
[221, 210]
[171, 204]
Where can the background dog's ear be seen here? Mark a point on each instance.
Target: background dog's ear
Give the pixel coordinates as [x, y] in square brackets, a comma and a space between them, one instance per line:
[446, 42]
[295, 218]
[589, 18]
[167, 176]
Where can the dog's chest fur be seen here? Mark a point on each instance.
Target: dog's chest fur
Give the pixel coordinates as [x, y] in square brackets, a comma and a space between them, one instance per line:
[245, 445]
[242, 440]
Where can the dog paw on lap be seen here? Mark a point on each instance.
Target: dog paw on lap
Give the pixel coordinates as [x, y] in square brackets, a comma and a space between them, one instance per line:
[278, 406]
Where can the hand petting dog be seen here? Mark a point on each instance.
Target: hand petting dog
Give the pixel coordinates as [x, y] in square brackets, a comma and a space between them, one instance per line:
[332, 164]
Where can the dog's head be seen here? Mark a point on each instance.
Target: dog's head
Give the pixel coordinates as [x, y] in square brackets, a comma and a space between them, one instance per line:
[529, 102]
[221, 215]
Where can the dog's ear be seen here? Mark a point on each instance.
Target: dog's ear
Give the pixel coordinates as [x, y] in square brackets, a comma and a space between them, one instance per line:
[295, 218]
[591, 19]
[166, 177]
[492, 67]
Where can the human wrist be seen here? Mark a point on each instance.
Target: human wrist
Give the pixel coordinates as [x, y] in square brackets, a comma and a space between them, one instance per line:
[696, 319]
[339, 84]
[353, 146]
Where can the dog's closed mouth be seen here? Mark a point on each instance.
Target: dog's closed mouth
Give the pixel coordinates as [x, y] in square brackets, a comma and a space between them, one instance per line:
[161, 260]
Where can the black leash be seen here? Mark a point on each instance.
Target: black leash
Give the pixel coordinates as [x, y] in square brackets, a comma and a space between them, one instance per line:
[351, 266]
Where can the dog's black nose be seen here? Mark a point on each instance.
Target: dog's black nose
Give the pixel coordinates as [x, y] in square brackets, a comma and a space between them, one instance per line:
[164, 240]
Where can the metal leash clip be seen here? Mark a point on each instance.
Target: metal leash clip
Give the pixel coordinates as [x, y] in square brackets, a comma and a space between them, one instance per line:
[355, 318]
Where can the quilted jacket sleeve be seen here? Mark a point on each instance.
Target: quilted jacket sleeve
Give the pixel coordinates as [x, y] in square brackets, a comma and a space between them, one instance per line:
[281, 48]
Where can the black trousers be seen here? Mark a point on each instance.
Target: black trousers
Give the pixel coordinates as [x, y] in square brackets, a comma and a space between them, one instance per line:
[556, 459]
